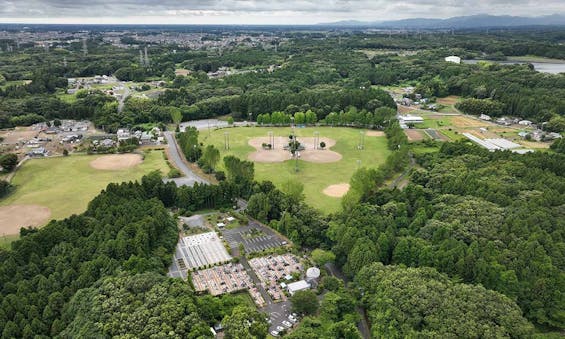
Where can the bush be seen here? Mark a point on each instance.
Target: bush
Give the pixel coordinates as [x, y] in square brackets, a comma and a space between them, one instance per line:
[220, 176]
[174, 173]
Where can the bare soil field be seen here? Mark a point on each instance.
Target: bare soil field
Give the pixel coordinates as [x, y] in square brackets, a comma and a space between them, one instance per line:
[337, 190]
[534, 144]
[414, 134]
[13, 217]
[20, 133]
[464, 122]
[115, 162]
[375, 133]
[450, 100]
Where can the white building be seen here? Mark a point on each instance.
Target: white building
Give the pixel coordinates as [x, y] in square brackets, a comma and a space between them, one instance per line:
[454, 59]
[525, 122]
[485, 117]
[297, 286]
[407, 119]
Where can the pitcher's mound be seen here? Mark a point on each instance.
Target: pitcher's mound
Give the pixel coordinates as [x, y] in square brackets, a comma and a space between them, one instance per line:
[337, 190]
[116, 161]
[13, 217]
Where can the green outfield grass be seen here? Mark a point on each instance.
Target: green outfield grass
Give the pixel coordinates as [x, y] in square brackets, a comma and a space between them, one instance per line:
[67, 184]
[314, 176]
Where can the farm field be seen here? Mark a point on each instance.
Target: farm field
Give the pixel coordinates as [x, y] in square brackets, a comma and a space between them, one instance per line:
[55, 188]
[322, 169]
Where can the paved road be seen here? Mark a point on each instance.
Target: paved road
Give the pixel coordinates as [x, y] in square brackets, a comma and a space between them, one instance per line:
[411, 164]
[125, 95]
[175, 156]
[363, 325]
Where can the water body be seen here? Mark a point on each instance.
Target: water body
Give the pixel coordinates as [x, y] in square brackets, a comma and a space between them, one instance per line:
[543, 67]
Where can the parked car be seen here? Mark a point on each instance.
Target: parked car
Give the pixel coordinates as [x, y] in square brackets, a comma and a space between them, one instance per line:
[292, 320]
[275, 333]
[287, 324]
[280, 328]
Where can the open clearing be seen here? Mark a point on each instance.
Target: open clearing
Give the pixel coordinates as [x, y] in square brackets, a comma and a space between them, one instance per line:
[337, 190]
[65, 185]
[13, 217]
[414, 135]
[375, 133]
[115, 162]
[449, 100]
[312, 172]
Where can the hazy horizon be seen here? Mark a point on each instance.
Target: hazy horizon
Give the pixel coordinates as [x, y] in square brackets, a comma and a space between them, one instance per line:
[252, 12]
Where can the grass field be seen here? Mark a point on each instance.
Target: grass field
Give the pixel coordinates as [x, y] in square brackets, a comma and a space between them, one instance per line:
[67, 184]
[314, 176]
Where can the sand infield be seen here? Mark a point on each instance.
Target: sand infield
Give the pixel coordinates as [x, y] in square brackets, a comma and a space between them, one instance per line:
[375, 133]
[116, 161]
[13, 217]
[278, 154]
[337, 190]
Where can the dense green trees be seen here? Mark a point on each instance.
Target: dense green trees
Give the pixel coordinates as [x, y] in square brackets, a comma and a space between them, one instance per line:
[209, 159]
[245, 322]
[413, 302]
[480, 106]
[305, 302]
[8, 162]
[486, 218]
[123, 228]
[144, 305]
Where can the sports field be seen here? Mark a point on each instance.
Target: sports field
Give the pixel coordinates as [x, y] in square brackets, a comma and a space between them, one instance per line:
[317, 169]
[55, 188]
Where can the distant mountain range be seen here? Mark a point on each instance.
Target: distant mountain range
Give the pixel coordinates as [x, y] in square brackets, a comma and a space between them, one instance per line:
[460, 22]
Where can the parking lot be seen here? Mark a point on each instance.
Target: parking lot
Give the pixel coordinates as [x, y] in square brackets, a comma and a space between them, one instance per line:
[278, 312]
[254, 237]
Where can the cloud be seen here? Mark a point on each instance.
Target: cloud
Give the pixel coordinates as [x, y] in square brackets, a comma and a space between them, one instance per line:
[260, 11]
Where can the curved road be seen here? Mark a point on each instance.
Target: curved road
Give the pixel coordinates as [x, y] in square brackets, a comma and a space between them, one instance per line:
[175, 156]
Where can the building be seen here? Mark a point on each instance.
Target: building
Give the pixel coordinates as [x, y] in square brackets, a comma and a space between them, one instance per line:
[297, 286]
[312, 275]
[485, 117]
[454, 59]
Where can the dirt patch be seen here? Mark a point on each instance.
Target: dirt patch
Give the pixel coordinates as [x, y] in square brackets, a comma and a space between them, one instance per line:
[13, 217]
[534, 144]
[461, 121]
[18, 135]
[375, 133]
[320, 156]
[414, 135]
[337, 190]
[450, 100]
[116, 161]
[279, 154]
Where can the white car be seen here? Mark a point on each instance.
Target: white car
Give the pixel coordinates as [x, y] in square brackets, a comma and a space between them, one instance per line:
[280, 328]
[292, 320]
[287, 324]
[275, 333]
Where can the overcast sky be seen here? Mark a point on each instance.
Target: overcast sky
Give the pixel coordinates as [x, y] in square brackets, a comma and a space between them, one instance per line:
[258, 11]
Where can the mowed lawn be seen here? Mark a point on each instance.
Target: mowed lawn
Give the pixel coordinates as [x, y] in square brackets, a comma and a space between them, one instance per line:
[67, 184]
[315, 177]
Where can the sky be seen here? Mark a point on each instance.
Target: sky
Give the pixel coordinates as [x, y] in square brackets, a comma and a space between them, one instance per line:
[276, 12]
